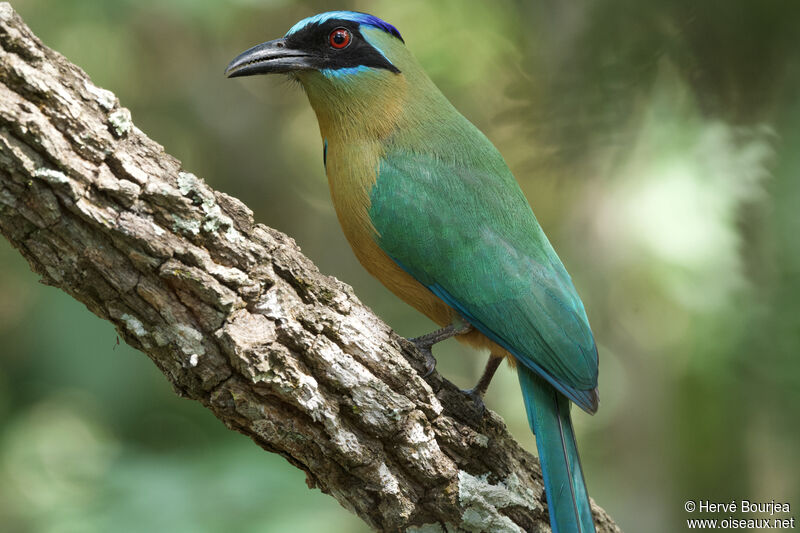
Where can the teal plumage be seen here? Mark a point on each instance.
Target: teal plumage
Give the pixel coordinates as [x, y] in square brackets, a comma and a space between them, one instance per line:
[565, 488]
[432, 210]
[465, 231]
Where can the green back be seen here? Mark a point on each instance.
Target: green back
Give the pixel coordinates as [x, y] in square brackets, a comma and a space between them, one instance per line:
[460, 225]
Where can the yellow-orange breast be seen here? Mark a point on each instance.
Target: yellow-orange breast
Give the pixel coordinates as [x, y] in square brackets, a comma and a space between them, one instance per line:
[352, 172]
[355, 134]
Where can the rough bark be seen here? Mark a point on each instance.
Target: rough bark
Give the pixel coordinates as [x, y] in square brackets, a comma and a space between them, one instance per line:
[237, 318]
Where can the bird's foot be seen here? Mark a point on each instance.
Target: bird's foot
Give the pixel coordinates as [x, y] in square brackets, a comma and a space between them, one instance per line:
[425, 343]
[477, 399]
[425, 348]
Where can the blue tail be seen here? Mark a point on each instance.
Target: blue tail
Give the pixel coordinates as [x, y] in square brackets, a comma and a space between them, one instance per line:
[548, 416]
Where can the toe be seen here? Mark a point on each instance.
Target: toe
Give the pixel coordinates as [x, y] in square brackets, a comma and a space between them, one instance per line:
[430, 363]
[477, 399]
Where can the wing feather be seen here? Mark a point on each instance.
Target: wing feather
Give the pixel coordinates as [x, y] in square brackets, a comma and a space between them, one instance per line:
[468, 234]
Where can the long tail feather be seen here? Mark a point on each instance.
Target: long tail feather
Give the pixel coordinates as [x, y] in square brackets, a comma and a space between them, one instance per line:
[549, 418]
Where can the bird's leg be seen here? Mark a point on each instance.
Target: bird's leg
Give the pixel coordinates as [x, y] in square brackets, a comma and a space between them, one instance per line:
[477, 392]
[426, 342]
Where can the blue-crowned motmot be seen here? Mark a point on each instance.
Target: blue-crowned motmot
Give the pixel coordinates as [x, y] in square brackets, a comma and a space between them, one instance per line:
[431, 209]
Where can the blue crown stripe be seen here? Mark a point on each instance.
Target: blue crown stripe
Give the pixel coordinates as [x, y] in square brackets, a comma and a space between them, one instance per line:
[353, 16]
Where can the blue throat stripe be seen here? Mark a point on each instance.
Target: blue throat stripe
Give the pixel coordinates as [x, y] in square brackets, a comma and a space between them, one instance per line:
[344, 71]
[354, 16]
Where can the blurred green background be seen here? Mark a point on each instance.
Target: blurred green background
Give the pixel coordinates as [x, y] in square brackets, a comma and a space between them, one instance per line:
[659, 143]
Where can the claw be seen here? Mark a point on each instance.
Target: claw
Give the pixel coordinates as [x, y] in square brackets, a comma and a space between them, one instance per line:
[477, 399]
[425, 348]
[430, 364]
[426, 342]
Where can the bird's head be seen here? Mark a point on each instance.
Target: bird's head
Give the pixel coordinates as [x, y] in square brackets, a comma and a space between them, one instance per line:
[354, 67]
[334, 44]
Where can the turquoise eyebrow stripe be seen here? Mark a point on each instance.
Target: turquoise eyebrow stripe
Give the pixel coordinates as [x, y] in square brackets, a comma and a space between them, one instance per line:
[353, 16]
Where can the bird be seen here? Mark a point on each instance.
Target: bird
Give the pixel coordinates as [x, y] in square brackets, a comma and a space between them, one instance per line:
[431, 209]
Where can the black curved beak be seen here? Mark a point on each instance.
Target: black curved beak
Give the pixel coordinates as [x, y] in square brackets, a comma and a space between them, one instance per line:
[272, 57]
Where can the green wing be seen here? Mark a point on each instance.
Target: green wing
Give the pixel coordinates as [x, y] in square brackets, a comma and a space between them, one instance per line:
[468, 234]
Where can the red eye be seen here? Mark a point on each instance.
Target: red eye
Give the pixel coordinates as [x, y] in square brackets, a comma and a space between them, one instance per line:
[339, 38]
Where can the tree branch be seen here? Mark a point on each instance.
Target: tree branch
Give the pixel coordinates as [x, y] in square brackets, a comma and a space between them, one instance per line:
[237, 318]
